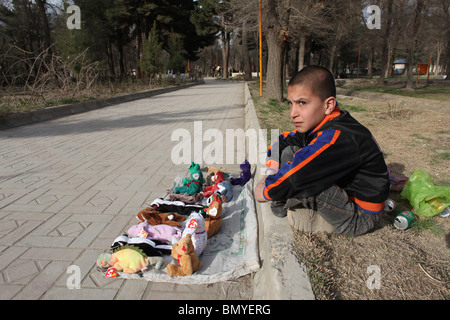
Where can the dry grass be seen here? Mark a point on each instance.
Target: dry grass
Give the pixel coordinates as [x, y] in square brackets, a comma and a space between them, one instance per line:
[16, 101]
[412, 264]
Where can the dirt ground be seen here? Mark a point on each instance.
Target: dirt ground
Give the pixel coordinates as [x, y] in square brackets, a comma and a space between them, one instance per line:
[386, 263]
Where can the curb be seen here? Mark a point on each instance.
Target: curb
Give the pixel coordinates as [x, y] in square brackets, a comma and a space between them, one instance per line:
[281, 276]
[34, 116]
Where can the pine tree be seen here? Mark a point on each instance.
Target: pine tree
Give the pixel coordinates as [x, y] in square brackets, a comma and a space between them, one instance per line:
[176, 62]
[151, 62]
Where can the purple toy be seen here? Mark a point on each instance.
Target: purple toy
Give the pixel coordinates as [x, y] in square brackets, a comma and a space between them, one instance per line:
[245, 174]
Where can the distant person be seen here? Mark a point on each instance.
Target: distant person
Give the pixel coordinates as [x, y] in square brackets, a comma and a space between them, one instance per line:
[328, 174]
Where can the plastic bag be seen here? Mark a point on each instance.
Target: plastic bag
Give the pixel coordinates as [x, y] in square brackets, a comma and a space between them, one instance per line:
[427, 199]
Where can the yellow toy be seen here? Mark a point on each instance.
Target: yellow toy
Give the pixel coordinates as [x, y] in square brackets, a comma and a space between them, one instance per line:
[129, 259]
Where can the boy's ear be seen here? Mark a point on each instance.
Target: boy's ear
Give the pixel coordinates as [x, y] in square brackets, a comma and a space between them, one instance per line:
[330, 104]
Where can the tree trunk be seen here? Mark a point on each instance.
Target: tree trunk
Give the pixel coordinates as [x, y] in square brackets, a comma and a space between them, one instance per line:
[370, 62]
[390, 60]
[413, 47]
[445, 9]
[332, 56]
[276, 34]
[47, 37]
[301, 52]
[385, 48]
[447, 67]
[411, 64]
[274, 82]
[141, 44]
[245, 54]
[121, 56]
[225, 37]
[109, 53]
[438, 58]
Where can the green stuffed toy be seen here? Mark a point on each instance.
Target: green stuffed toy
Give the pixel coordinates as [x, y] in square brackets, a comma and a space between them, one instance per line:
[194, 184]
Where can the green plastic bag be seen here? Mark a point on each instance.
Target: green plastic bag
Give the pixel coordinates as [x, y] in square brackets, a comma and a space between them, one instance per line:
[427, 199]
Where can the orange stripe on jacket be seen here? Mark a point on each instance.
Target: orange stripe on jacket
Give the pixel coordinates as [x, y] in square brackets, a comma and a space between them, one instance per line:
[303, 163]
[336, 113]
[284, 134]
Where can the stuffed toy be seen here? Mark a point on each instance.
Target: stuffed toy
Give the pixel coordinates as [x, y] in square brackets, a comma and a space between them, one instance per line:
[196, 198]
[159, 232]
[129, 260]
[154, 217]
[213, 221]
[179, 207]
[212, 171]
[195, 226]
[151, 248]
[244, 176]
[187, 260]
[225, 190]
[194, 184]
[218, 178]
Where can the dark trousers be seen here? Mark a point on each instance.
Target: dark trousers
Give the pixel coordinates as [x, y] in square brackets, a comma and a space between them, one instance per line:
[335, 206]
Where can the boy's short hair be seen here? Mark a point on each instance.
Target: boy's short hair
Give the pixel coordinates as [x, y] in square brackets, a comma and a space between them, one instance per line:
[319, 79]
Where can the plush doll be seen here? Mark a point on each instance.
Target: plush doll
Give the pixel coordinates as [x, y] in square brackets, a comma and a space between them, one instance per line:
[213, 221]
[196, 198]
[179, 207]
[187, 260]
[218, 178]
[194, 184]
[244, 176]
[154, 217]
[214, 170]
[129, 260]
[195, 226]
[151, 248]
[225, 190]
[211, 173]
[159, 232]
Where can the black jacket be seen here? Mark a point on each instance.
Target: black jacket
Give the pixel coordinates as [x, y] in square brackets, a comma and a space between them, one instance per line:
[340, 151]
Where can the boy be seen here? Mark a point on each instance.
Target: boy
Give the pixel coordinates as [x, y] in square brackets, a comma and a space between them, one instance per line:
[330, 168]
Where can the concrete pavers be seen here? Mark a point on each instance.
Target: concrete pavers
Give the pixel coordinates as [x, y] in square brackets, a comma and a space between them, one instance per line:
[70, 186]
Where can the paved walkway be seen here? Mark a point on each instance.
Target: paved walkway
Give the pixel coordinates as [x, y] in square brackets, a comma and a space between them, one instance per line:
[69, 186]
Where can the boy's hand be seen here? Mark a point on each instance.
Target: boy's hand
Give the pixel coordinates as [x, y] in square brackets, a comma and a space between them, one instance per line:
[259, 190]
[273, 165]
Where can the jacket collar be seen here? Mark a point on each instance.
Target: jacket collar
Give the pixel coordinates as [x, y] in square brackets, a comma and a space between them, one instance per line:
[336, 113]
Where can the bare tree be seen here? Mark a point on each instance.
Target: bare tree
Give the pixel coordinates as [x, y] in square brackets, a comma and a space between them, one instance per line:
[42, 74]
[445, 5]
[386, 33]
[276, 25]
[418, 12]
[47, 36]
[308, 17]
[244, 21]
[245, 51]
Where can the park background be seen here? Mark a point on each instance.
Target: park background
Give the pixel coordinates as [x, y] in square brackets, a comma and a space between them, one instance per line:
[52, 54]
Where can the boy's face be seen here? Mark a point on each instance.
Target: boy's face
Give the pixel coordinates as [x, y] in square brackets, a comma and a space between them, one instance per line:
[307, 109]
